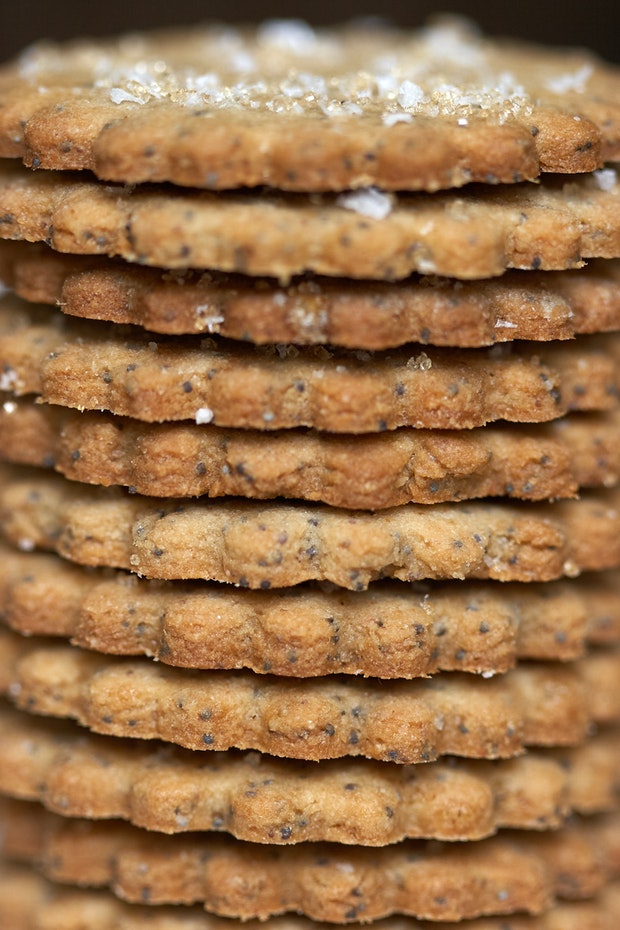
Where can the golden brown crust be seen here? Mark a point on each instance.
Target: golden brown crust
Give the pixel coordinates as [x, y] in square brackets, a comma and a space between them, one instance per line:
[359, 315]
[390, 631]
[29, 902]
[263, 800]
[477, 233]
[368, 234]
[413, 721]
[271, 544]
[371, 472]
[292, 633]
[90, 365]
[292, 107]
[325, 882]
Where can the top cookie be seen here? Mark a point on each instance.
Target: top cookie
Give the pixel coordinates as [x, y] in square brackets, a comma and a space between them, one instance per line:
[308, 110]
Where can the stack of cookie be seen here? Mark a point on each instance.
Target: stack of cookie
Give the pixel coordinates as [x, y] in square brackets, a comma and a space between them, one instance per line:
[309, 501]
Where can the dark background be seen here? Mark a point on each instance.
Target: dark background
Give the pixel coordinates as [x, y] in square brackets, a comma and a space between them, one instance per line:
[591, 23]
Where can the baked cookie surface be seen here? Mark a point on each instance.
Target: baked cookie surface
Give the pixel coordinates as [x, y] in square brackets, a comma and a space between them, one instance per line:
[304, 109]
[542, 704]
[478, 232]
[273, 544]
[533, 462]
[32, 903]
[264, 800]
[90, 365]
[326, 882]
[390, 631]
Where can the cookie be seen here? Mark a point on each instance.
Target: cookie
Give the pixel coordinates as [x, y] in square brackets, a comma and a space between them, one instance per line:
[475, 233]
[263, 800]
[89, 365]
[436, 881]
[292, 107]
[367, 472]
[358, 315]
[274, 544]
[29, 902]
[32, 903]
[389, 631]
[316, 718]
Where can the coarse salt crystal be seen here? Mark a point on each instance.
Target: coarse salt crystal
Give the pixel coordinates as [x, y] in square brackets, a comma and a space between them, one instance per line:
[410, 95]
[420, 362]
[9, 406]
[369, 201]
[351, 109]
[192, 100]
[211, 323]
[574, 81]
[426, 266]
[118, 95]
[552, 306]
[605, 179]
[8, 379]
[241, 61]
[390, 119]
[294, 35]
[204, 415]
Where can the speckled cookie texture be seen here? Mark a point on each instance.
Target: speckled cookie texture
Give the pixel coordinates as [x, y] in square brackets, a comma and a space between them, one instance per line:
[88, 365]
[272, 544]
[318, 439]
[305, 109]
[264, 800]
[389, 631]
[406, 722]
[478, 232]
[367, 315]
[372, 471]
[325, 882]
[31, 902]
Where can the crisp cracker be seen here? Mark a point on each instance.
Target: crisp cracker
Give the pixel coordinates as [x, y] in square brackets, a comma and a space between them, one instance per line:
[29, 902]
[366, 472]
[308, 109]
[326, 882]
[475, 233]
[358, 315]
[266, 545]
[319, 718]
[91, 365]
[260, 799]
[389, 631]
